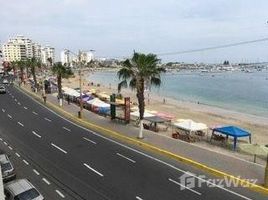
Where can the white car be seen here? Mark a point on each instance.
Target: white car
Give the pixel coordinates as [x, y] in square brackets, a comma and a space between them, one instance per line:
[2, 89]
[21, 189]
[5, 81]
[8, 171]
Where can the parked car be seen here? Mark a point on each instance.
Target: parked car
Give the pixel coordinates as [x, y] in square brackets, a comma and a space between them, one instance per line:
[5, 81]
[21, 189]
[2, 89]
[8, 171]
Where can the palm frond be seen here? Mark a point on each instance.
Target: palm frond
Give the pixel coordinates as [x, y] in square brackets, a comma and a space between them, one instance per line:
[124, 73]
[155, 81]
[133, 83]
[121, 85]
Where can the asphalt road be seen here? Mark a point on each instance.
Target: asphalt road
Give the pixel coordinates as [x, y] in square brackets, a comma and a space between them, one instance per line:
[85, 165]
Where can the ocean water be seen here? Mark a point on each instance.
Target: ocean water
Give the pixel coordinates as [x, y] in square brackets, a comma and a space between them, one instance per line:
[237, 91]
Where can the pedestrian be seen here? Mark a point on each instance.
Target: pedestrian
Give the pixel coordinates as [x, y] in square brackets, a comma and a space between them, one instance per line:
[45, 98]
[68, 99]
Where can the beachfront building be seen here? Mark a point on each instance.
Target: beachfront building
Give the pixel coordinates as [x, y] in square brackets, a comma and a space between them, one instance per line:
[17, 48]
[86, 56]
[65, 57]
[47, 53]
[21, 48]
[37, 50]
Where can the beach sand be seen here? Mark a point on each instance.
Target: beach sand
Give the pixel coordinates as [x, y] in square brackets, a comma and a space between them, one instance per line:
[209, 115]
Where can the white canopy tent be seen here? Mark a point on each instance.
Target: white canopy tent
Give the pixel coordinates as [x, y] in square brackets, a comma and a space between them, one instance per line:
[190, 125]
[70, 92]
[98, 103]
[137, 114]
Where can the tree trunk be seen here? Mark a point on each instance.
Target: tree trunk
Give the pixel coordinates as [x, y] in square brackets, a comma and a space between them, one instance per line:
[27, 72]
[140, 96]
[21, 74]
[34, 77]
[14, 71]
[59, 89]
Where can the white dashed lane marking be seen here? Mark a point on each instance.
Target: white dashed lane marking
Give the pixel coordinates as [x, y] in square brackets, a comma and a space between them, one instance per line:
[35, 113]
[46, 181]
[137, 197]
[19, 103]
[185, 187]
[20, 124]
[36, 172]
[18, 155]
[49, 120]
[37, 135]
[60, 149]
[129, 159]
[91, 141]
[3, 110]
[95, 171]
[25, 108]
[10, 147]
[60, 194]
[9, 116]
[25, 162]
[5, 143]
[66, 129]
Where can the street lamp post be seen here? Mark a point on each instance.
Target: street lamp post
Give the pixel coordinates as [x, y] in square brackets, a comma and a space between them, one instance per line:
[80, 85]
[80, 63]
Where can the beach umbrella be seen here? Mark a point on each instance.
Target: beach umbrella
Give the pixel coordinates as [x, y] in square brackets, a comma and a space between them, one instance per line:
[254, 149]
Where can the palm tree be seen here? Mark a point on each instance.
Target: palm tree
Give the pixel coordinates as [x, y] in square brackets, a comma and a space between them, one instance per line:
[20, 64]
[32, 64]
[13, 65]
[61, 71]
[50, 61]
[139, 70]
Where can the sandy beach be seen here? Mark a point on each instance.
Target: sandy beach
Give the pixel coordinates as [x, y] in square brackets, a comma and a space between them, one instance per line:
[209, 115]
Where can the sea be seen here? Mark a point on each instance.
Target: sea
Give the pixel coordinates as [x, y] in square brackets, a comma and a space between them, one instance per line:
[236, 91]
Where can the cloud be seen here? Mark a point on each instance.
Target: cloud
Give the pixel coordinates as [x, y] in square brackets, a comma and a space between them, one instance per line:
[117, 27]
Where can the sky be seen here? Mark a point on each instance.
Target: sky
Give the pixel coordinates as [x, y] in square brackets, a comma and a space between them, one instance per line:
[115, 28]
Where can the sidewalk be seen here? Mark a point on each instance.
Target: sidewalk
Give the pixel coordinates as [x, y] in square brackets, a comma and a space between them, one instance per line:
[228, 164]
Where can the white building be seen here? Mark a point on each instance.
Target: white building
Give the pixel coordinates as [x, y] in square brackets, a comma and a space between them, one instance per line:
[37, 50]
[47, 52]
[65, 57]
[18, 48]
[21, 48]
[86, 56]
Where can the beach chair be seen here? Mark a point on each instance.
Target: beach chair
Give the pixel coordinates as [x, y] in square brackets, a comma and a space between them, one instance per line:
[146, 126]
[218, 138]
[185, 137]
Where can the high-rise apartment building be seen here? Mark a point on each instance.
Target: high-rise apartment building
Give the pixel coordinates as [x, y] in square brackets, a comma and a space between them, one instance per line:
[65, 57]
[47, 53]
[37, 50]
[21, 48]
[86, 56]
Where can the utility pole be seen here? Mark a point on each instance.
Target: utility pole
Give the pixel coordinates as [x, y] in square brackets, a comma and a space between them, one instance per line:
[80, 85]
[80, 65]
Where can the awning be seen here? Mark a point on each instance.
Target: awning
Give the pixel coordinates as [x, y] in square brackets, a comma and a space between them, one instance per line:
[233, 131]
[190, 125]
[137, 114]
[98, 103]
[156, 119]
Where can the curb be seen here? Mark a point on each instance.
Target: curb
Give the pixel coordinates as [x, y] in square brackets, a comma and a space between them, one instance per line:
[144, 145]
